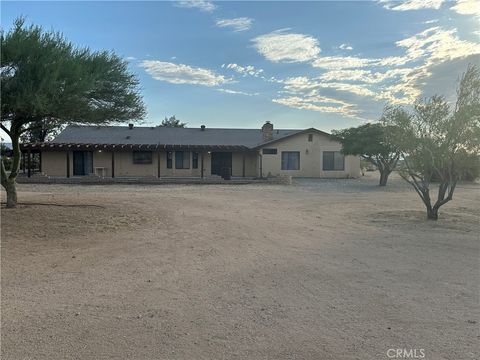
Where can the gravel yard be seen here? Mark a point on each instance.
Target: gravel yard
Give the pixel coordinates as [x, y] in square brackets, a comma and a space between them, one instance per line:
[321, 269]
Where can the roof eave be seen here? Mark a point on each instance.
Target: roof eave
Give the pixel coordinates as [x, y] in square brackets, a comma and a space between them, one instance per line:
[293, 134]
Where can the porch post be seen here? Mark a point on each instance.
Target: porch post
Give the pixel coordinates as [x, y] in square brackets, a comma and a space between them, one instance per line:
[201, 172]
[68, 163]
[158, 164]
[29, 163]
[40, 161]
[23, 162]
[243, 165]
[261, 169]
[113, 163]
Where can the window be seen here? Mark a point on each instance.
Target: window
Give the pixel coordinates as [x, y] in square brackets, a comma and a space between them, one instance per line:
[182, 159]
[310, 137]
[194, 160]
[269, 151]
[290, 160]
[142, 157]
[333, 160]
[169, 159]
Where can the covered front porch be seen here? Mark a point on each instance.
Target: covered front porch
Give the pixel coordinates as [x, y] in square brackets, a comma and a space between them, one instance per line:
[140, 161]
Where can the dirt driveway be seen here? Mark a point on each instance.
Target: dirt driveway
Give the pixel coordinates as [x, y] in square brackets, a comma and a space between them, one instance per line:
[332, 269]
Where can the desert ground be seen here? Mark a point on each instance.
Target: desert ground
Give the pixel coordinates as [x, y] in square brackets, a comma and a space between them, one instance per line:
[321, 269]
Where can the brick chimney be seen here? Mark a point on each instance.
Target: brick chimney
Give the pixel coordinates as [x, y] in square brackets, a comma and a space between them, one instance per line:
[267, 130]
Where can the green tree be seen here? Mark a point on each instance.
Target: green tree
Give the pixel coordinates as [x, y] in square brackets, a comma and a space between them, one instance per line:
[42, 130]
[43, 76]
[440, 144]
[373, 142]
[172, 122]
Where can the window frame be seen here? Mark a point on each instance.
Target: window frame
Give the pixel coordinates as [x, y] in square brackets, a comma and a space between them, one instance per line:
[194, 160]
[310, 137]
[169, 155]
[185, 160]
[333, 161]
[287, 164]
[269, 151]
[139, 161]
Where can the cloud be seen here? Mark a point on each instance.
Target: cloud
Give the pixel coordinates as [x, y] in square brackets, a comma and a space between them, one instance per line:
[203, 5]
[437, 45]
[244, 70]
[280, 46]
[431, 21]
[311, 86]
[182, 74]
[342, 62]
[307, 93]
[411, 4]
[320, 104]
[398, 84]
[234, 92]
[237, 24]
[363, 76]
[467, 7]
[430, 48]
[345, 47]
[130, 58]
[427, 58]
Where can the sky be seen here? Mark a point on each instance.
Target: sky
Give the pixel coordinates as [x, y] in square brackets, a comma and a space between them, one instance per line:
[322, 64]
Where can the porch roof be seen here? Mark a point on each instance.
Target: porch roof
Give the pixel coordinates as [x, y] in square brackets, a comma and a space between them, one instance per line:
[45, 146]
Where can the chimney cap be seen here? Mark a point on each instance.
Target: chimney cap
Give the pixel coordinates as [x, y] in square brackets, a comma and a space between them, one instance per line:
[130, 126]
[202, 128]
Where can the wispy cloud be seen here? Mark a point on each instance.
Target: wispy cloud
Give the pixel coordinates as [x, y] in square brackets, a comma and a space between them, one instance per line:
[244, 70]
[130, 58]
[467, 7]
[182, 74]
[411, 4]
[281, 45]
[235, 92]
[319, 103]
[237, 24]
[203, 5]
[431, 21]
[345, 47]
[363, 76]
[305, 93]
[396, 79]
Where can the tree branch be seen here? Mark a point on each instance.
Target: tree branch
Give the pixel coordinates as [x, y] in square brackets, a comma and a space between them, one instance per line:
[6, 130]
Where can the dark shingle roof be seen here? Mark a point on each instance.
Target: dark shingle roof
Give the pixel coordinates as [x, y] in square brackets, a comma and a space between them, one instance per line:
[165, 136]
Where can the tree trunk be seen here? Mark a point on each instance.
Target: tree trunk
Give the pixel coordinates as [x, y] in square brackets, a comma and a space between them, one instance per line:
[383, 177]
[9, 182]
[432, 213]
[11, 189]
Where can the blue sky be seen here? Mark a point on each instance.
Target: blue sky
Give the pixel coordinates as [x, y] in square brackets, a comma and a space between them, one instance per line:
[324, 64]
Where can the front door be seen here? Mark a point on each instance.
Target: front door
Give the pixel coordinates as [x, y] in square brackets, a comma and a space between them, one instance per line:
[82, 163]
[221, 160]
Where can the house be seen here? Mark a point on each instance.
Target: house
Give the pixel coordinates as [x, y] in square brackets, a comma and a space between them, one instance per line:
[130, 151]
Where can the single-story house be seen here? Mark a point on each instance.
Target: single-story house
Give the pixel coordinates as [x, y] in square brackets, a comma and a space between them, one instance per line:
[131, 151]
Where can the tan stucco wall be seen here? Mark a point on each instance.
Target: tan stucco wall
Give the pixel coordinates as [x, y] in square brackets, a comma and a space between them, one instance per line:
[54, 163]
[250, 164]
[103, 159]
[311, 157]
